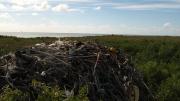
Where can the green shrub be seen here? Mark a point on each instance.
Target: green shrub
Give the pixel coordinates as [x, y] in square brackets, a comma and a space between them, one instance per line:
[169, 90]
[9, 94]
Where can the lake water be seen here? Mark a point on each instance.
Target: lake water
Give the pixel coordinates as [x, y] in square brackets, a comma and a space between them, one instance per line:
[38, 34]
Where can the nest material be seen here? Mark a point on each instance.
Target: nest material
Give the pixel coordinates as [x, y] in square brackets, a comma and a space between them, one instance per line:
[108, 72]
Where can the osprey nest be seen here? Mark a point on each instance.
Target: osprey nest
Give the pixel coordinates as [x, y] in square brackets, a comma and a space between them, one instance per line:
[107, 72]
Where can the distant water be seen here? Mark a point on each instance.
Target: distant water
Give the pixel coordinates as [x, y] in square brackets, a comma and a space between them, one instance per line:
[38, 34]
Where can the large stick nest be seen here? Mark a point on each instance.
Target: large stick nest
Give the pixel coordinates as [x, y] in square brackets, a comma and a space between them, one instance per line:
[108, 72]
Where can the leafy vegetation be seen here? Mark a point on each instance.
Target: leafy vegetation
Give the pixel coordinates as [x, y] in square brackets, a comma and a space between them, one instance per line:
[158, 58]
[10, 44]
[45, 93]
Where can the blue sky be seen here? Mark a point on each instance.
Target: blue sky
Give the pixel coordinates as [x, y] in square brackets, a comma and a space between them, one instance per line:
[135, 17]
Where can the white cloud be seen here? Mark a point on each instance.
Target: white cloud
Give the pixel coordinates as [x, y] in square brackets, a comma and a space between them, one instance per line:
[18, 14]
[167, 25]
[79, 1]
[27, 2]
[29, 5]
[173, 4]
[147, 6]
[43, 6]
[34, 14]
[2, 7]
[17, 8]
[98, 8]
[5, 15]
[63, 8]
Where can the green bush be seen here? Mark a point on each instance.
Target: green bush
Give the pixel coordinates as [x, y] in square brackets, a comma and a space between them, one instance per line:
[169, 90]
[46, 93]
[9, 94]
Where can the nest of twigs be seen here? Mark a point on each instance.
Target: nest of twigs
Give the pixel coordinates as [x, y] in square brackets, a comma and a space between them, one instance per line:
[107, 72]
